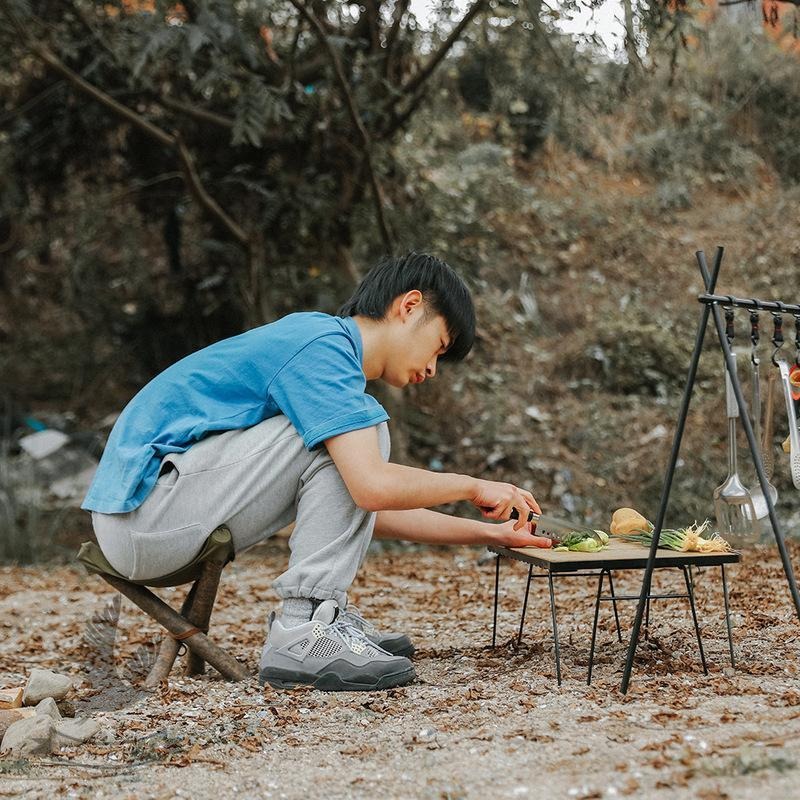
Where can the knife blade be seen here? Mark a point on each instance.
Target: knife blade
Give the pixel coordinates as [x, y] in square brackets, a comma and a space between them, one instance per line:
[548, 523]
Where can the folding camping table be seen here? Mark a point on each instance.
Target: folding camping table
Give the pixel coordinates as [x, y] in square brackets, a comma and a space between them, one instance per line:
[618, 555]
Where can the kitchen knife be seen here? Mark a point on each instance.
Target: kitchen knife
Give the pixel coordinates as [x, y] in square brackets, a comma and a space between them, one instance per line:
[548, 523]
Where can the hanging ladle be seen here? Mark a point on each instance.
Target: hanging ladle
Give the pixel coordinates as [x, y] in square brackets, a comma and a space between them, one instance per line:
[760, 507]
[733, 504]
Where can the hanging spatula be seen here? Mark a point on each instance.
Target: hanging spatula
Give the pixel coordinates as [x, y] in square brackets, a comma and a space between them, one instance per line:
[767, 444]
[759, 501]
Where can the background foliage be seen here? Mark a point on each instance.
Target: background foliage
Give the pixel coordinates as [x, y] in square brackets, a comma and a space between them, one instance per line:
[171, 174]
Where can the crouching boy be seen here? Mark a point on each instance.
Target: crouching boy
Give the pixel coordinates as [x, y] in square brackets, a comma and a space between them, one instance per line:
[274, 426]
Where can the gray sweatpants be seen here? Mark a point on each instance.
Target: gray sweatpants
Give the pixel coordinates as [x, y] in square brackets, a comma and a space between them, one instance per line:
[256, 481]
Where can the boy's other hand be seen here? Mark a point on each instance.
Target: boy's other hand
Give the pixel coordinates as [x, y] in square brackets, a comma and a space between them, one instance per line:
[505, 535]
[496, 500]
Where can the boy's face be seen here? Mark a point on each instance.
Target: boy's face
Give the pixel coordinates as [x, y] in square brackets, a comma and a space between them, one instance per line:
[418, 339]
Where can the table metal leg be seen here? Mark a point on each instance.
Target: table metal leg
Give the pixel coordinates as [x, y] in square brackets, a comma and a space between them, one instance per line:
[727, 614]
[614, 603]
[496, 588]
[594, 626]
[525, 605]
[555, 627]
[647, 620]
[690, 592]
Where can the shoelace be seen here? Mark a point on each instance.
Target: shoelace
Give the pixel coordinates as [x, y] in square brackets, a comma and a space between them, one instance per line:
[353, 616]
[348, 633]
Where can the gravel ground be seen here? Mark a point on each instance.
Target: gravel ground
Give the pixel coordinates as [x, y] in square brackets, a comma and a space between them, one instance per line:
[477, 723]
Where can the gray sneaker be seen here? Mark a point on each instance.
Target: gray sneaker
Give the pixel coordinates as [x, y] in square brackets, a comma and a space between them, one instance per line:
[398, 644]
[329, 653]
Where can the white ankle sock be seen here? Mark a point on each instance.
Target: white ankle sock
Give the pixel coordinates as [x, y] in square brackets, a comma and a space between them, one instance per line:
[296, 611]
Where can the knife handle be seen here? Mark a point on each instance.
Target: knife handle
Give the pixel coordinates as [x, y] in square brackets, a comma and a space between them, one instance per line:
[532, 515]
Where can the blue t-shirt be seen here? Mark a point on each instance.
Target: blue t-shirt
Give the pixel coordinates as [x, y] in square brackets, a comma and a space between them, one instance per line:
[306, 366]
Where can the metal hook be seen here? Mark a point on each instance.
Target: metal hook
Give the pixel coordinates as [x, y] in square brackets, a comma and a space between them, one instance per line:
[796, 316]
[754, 337]
[777, 334]
[729, 316]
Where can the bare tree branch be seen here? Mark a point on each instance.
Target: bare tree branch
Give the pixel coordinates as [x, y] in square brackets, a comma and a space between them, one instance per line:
[200, 114]
[206, 200]
[154, 132]
[373, 21]
[187, 109]
[397, 121]
[411, 86]
[413, 91]
[391, 37]
[109, 102]
[355, 118]
[293, 51]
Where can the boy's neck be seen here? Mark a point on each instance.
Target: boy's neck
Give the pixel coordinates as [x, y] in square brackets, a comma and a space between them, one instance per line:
[374, 342]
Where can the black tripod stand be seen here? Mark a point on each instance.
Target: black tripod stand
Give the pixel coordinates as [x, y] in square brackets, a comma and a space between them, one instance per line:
[711, 306]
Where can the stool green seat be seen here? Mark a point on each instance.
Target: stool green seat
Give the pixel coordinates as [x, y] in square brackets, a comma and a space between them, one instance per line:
[190, 626]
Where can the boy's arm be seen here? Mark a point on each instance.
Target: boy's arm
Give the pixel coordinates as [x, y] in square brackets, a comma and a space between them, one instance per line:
[433, 527]
[377, 485]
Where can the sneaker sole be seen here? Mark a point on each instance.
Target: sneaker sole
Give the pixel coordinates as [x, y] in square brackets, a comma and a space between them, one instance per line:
[331, 682]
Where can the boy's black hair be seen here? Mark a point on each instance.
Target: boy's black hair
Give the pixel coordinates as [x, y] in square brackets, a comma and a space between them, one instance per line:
[443, 290]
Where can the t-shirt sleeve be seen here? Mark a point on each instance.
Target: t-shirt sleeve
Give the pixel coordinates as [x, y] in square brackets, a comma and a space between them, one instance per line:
[321, 389]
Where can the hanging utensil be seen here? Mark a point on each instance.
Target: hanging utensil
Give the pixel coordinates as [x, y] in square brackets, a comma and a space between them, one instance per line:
[769, 426]
[733, 504]
[767, 442]
[794, 434]
[759, 500]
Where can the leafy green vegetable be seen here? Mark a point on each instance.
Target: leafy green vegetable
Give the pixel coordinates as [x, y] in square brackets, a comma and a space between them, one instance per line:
[587, 546]
[586, 541]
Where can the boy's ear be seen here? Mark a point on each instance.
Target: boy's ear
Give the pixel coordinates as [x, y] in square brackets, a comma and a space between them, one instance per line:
[408, 303]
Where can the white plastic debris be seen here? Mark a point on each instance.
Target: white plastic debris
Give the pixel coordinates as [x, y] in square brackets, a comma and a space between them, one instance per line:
[43, 443]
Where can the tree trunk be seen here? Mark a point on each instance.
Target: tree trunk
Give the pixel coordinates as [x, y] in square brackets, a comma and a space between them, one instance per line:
[630, 35]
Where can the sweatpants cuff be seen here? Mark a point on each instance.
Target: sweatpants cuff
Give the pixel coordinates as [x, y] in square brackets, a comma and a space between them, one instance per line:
[313, 593]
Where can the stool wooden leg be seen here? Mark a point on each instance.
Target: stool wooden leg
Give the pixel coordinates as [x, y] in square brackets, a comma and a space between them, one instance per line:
[198, 642]
[199, 613]
[168, 650]
[167, 653]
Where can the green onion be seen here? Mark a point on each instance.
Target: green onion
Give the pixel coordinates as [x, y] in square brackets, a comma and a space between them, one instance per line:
[693, 538]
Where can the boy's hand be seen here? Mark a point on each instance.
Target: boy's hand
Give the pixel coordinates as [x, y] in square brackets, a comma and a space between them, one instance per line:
[495, 500]
[505, 535]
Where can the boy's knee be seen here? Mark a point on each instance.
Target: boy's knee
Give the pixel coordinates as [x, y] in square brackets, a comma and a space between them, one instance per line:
[384, 440]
